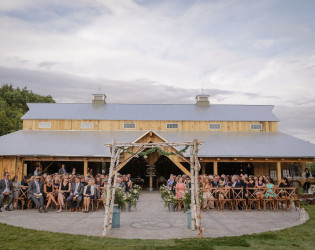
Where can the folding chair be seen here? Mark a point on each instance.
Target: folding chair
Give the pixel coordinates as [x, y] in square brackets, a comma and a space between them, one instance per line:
[238, 197]
[23, 193]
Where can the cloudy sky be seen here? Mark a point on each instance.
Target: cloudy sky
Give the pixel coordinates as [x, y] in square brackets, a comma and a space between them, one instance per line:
[159, 51]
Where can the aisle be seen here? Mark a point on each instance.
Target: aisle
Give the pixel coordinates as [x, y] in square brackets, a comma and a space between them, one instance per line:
[151, 220]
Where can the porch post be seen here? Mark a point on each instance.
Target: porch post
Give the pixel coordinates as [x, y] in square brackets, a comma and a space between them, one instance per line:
[85, 167]
[279, 171]
[215, 167]
[203, 168]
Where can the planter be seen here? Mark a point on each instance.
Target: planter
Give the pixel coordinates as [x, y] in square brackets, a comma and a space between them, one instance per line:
[171, 207]
[127, 207]
[116, 217]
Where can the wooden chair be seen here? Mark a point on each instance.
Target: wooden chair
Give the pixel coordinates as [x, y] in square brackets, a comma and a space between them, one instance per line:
[23, 194]
[100, 200]
[270, 199]
[290, 198]
[252, 197]
[224, 195]
[281, 198]
[238, 198]
[213, 198]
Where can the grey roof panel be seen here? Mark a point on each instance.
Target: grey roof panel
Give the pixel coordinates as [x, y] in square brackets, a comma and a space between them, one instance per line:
[215, 144]
[163, 112]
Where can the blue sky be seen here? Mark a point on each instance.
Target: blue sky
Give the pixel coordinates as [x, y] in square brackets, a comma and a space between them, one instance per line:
[245, 51]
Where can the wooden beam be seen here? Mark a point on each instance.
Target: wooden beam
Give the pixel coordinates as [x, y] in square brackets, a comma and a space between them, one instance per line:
[175, 160]
[279, 171]
[203, 168]
[85, 171]
[215, 167]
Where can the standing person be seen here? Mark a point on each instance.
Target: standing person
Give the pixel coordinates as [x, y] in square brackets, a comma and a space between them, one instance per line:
[6, 190]
[16, 188]
[49, 190]
[74, 171]
[307, 185]
[76, 193]
[35, 192]
[62, 170]
[170, 181]
[36, 172]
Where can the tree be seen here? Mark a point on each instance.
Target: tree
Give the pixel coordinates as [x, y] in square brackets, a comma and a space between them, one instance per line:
[13, 105]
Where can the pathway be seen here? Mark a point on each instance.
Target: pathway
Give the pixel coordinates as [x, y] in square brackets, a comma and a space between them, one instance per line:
[151, 220]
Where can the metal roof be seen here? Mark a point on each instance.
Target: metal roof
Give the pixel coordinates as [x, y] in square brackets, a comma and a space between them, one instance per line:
[215, 144]
[153, 112]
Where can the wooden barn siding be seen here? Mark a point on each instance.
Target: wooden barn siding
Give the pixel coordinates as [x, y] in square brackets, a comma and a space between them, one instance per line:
[13, 165]
[147, 125]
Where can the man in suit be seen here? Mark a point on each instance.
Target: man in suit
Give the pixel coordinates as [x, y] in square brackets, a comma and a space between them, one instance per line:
[62, 170]
[215, 181]
[35, 192]
[6, 190]
[76, 194]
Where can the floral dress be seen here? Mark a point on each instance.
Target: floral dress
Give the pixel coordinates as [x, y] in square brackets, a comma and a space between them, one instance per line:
[269, 191]
[180, 190]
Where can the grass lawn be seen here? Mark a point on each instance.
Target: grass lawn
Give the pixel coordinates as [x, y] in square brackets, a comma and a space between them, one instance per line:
[298, 237]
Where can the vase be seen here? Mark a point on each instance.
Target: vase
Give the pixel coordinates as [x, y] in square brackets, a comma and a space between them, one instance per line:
[129, 207]
[172, 207]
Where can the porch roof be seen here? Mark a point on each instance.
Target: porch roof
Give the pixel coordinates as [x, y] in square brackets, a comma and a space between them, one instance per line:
[215, 144]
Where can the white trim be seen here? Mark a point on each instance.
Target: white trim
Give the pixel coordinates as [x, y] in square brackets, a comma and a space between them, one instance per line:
[171, 125]
[253, 125]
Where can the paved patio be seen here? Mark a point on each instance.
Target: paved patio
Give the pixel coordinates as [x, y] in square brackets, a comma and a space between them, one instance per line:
[151, 220]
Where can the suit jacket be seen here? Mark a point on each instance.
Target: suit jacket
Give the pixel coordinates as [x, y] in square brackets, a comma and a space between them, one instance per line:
[60, 171]
[32, 188]
[80, 188]
[2, 186]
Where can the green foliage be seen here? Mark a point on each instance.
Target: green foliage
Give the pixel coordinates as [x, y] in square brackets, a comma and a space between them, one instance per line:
[311, 167]
[13, 106]
[158, 150]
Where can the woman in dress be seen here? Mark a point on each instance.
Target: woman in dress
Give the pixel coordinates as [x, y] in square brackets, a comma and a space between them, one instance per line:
[63, 193]
[206, 193]
[260, 184]
[269, 186]
[180, 188]
[16, 187]
[88, 194]
[49, 191]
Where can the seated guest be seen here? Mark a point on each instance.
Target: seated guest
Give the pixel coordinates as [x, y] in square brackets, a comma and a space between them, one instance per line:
[128, 184]
[76, 193]
[215, 181]
[121, 184]
[35, 192]
[6, 190]
[269, 192]
[98, 181]
[49, 191]
[88, 194]
[64, 192]
[260, 184]
[84, 180]
[188, 183]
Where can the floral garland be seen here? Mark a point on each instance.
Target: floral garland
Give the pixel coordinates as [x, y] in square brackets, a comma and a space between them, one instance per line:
[155, 149]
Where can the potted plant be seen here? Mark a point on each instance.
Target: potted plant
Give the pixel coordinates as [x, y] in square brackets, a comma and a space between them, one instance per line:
[119, 198]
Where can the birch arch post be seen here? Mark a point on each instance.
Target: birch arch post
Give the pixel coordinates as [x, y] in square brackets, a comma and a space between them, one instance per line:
[118, 148]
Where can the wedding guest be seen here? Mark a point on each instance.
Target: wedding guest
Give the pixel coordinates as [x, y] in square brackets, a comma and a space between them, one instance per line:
[64, 191]
[260, 184]
[88, 194]
[170, 181]
[76, 193]
[16, 188]
[6, 190]
[269, 186]
[62, 170]
[307, 184]
[36, 172]
[49, 191]
[74, 171]
[35, 192]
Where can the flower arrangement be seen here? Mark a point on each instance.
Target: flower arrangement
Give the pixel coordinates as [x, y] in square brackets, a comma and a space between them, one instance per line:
[130, 198]
[167, 196]
[120, 198]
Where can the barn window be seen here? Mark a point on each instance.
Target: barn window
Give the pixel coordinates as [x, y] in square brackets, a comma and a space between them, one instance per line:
[44, 125]
[215, 126]
[86, 125]
[172, 125]
[256, 126]
[129, 125]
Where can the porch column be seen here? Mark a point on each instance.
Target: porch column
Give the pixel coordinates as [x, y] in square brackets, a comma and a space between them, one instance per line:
[215, 167]
[279, 171]
[85, 167]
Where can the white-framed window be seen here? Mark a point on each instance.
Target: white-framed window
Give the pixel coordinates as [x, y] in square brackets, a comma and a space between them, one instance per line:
[86, 125]
[172, 125]
[44, 125]
[256, 127]
[215, 126]
[273, 174]
[129, 125]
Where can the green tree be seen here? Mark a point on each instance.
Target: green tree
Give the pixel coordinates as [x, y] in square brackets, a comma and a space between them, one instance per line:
[13, 106]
